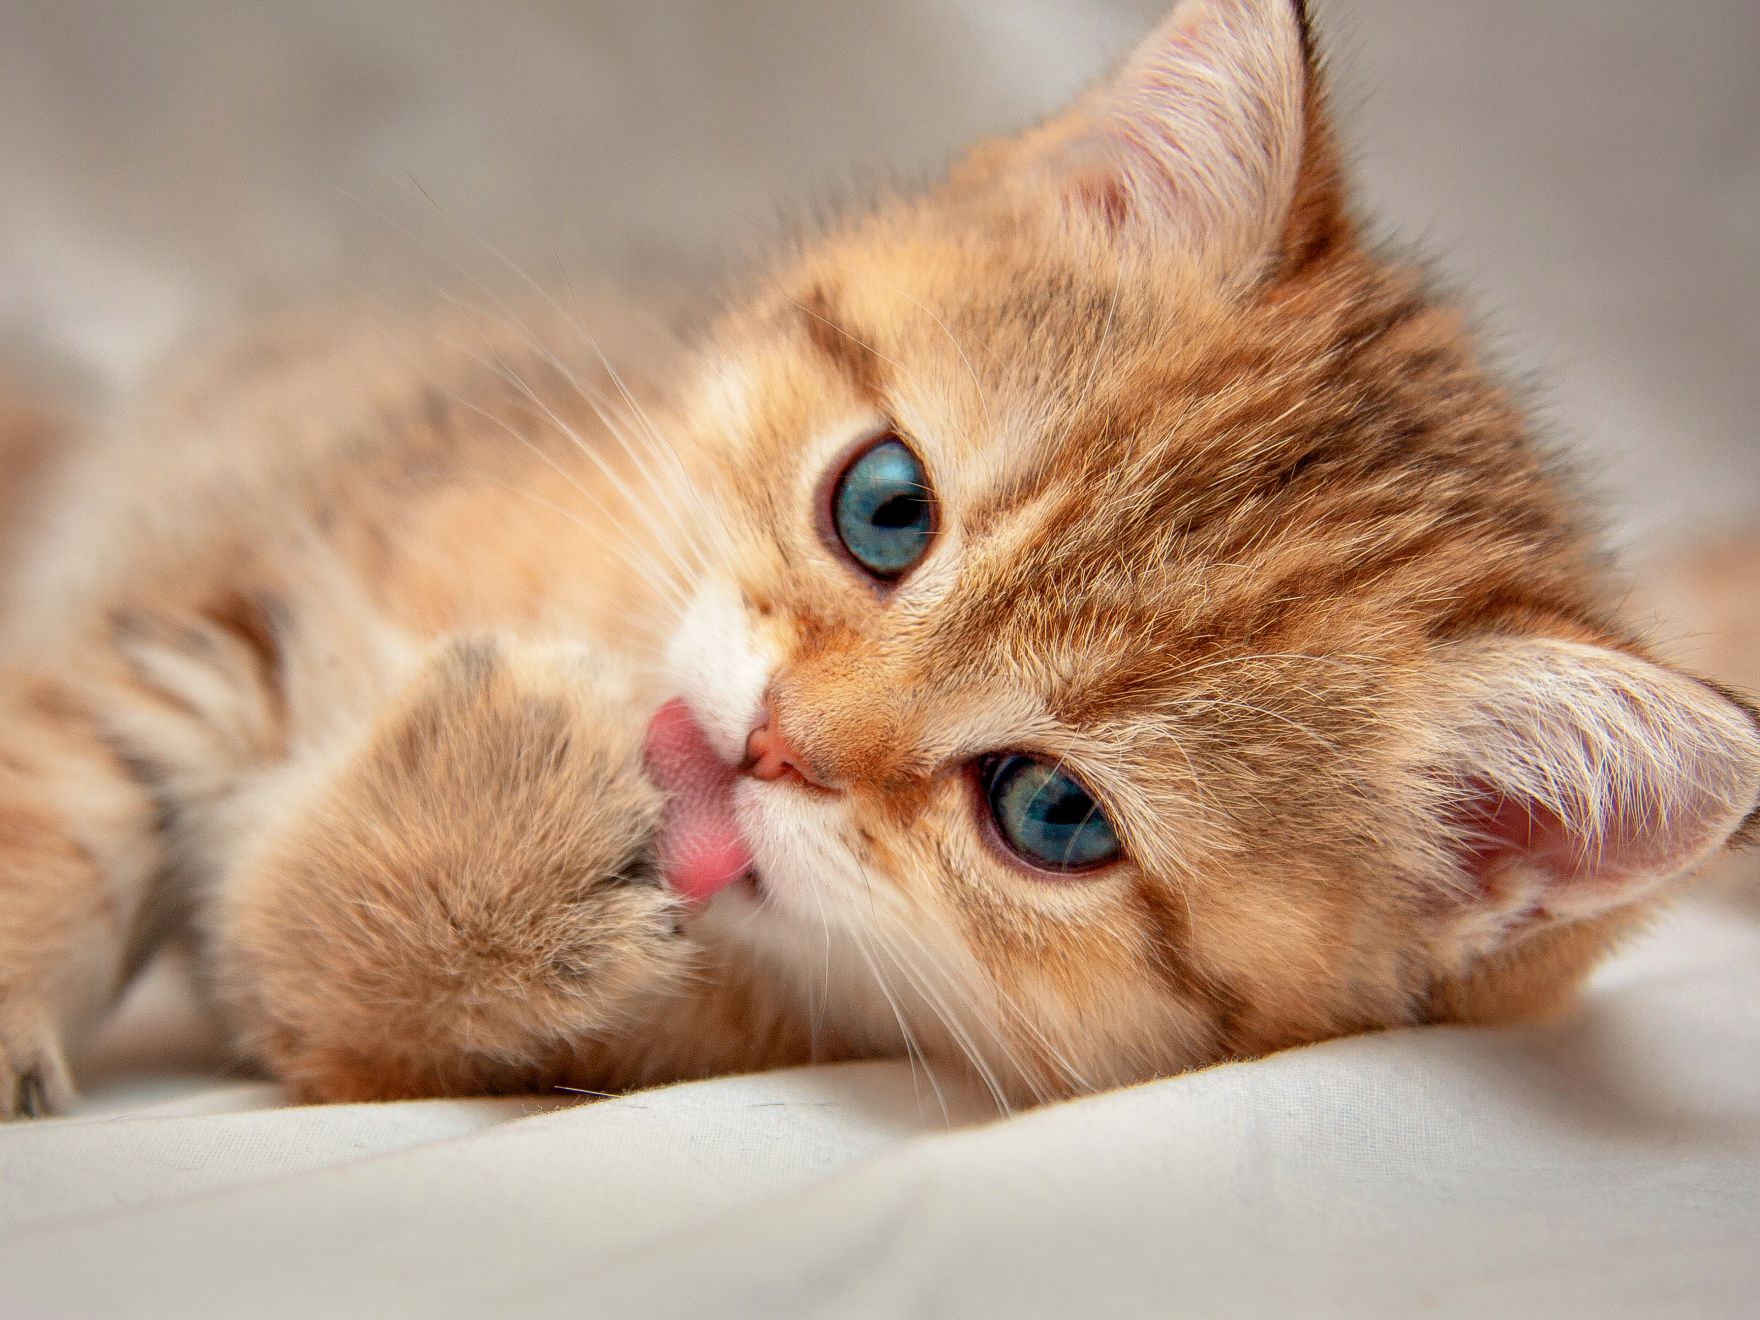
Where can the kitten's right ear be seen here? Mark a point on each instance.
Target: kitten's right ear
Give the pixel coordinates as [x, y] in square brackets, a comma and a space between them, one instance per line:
[1209, 139]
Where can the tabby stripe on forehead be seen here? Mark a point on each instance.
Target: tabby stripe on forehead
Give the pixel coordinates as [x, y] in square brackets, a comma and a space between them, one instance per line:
[847, 351]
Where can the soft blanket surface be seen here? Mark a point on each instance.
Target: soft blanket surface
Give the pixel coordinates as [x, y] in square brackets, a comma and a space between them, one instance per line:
[1604, 1165]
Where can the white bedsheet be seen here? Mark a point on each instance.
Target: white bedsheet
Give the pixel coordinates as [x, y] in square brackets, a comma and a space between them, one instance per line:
[1605, 1165]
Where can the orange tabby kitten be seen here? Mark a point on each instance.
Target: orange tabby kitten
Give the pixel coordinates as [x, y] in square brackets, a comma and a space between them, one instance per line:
[1088, 620]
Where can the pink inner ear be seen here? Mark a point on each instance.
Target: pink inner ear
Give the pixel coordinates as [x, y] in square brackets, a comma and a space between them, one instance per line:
[1104, 194]
[1565, 869]
[1198, 138]
[1496, 829]
[1582, 776]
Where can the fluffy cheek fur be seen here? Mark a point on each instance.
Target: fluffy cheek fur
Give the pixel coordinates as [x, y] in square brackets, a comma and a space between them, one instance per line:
[888, 911]
[914, 929]
[468, 890]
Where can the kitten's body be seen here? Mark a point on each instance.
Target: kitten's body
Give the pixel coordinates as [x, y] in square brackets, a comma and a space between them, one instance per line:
[282, 539]
[343, 652]
[258, 559]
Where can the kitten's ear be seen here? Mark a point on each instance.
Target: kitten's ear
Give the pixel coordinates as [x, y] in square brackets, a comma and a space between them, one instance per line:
[1577, 779]
[1209, 137]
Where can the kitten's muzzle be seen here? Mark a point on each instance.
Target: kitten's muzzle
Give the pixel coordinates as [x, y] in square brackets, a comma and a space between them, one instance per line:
[770, 756]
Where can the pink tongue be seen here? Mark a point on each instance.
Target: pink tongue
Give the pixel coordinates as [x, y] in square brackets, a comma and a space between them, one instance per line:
[701, 852]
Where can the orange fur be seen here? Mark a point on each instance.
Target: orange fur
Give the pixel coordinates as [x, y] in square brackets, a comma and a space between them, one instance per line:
[1232, 523]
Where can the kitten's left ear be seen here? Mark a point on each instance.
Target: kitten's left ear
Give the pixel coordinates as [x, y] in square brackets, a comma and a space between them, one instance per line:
[1577, 779]
[1210, 138]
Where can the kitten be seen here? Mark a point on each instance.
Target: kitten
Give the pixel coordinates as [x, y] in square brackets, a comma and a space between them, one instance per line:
[1088, 620]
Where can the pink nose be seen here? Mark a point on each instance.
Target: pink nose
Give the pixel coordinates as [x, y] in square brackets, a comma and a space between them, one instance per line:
[770, 756]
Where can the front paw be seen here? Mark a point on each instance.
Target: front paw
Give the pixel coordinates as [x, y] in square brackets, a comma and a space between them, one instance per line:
[473, 890]
[34, 1080]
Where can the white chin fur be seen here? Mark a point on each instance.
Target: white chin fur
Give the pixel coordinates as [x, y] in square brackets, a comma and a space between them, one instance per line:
[806, 920]
[807, 875]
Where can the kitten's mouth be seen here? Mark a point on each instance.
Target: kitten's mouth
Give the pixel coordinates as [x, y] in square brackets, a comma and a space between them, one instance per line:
[701, 850]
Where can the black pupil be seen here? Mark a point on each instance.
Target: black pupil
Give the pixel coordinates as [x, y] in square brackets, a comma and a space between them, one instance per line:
[899, 512]
[1069, 809]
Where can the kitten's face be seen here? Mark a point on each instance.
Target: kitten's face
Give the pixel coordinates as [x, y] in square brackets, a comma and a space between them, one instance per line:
[1090, 597]
[1113, 609]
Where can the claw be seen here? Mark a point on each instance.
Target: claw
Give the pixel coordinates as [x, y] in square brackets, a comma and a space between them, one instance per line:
[30, 1095]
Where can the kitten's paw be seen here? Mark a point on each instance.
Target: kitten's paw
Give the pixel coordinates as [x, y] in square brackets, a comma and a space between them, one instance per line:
[34, 1079]
[473, 890]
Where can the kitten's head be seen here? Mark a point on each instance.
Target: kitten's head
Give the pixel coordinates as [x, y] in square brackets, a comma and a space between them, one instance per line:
[1164, 642]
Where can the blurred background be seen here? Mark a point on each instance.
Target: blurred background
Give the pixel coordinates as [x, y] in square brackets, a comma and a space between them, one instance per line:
[1588, 169]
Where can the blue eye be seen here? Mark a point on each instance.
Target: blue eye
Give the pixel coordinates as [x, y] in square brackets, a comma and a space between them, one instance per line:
[883, 510]
[1045, 816]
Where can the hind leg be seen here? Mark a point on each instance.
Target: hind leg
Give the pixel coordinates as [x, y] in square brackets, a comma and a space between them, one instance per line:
[103, 758]
[79, 849]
